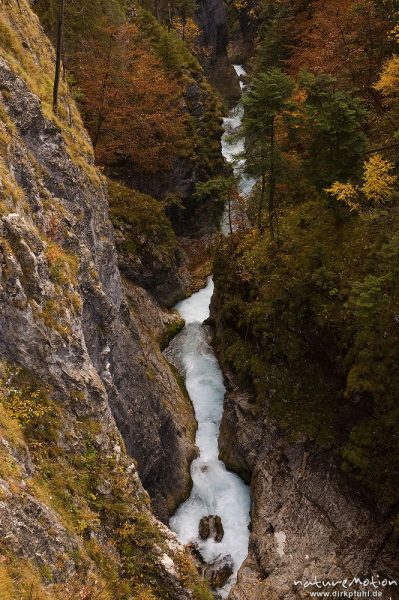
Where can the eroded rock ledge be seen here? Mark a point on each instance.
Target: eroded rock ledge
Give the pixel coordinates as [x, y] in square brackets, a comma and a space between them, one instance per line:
[306, 521]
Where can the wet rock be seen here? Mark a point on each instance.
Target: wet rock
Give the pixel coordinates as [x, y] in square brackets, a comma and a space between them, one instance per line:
[219, 572]
[211, 527]
[90, 339]
[212, 18]
[65, 321]
[195, 552]
[204, 530]
[345, 536]
[219, 531]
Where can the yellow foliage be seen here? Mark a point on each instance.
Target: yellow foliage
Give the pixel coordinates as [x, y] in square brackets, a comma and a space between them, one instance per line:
[145, 594]
[345, 193]
[25, 402]
[378, 181]
[7, 590]
[189, 31]
[20, 29]
[378, 185]
[394, 33]
[240, 4]
[63, 265]
[388, 83]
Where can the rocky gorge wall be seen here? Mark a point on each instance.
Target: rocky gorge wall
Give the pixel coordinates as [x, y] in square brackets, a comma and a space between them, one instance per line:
[308, 522]
[72, 504]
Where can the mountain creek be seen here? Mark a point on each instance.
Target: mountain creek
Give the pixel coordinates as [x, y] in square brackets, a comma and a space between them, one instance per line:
[216, 492]
[197, 362]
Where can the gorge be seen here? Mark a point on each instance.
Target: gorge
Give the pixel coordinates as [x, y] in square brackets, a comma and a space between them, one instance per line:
[215, 491]
[245, 442]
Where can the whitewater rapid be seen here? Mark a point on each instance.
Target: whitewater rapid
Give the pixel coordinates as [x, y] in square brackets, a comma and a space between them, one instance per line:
[232, 150]
[215, 490]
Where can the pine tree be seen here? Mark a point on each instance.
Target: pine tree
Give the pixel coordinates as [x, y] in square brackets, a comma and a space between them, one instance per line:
[269, 97]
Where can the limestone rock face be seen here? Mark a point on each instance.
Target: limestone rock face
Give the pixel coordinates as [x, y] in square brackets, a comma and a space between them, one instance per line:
[212, 17]
[306, 521]
[65, 319]
[96, 346]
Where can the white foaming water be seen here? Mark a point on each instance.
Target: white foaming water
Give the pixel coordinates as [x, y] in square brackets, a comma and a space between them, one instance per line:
[215, 490]
[239, 69]
[232, 149]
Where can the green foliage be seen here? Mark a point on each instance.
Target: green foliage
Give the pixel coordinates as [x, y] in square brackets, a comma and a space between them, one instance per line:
[87, 34]
[63, 265]
[215, 193]
[311, 327]
[93, 494]
[84, 19]
[366, 298]
[169, 47]
[269, 100]
[372, 455]
[170, 331]
[143, 221]
[269, 96]
[23, 398]
[332, 128]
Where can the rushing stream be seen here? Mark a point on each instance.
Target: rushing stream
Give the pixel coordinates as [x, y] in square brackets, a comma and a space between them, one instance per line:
[215, 491]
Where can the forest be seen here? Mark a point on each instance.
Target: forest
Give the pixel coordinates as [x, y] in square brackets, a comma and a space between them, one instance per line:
[308, 293]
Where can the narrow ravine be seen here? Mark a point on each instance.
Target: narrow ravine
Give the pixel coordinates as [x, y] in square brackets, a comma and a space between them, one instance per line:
[216, 492]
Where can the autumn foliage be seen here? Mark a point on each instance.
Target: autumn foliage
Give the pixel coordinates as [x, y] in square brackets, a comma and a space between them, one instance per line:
[309, 306]
[345, 38]
[134, 109]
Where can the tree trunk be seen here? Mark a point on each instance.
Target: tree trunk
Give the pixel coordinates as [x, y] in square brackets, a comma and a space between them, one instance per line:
[101, 111]
[262, 192]
[170, 17]
[229, 212]
[59, 53]
[184, 22]
[272, 190]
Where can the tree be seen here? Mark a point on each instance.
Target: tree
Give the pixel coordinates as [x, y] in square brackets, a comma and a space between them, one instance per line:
[59, 53]
[133, 109]
[268, 99]
[331, 131]
[283, 23]
[220, 190]
[378, 187]
[347, 39]
[379, 184]
[388, 81]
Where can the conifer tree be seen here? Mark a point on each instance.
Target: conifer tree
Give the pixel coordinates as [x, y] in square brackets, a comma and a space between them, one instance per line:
[269, 98]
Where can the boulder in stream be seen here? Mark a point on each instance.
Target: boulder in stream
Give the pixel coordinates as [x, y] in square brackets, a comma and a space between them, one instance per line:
[196, 554]
[211, 527]
[218, 572]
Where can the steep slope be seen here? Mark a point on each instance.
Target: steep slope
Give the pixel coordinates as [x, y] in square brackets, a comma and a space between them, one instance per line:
[307, 299]
[148, 252]
[73, 364]
[126, 62]
[307, 523]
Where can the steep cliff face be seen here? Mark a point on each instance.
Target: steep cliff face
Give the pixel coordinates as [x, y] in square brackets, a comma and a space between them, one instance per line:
[307, 522]
[212, 17]
[148, 253]
[72, 359]
[203, 161]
